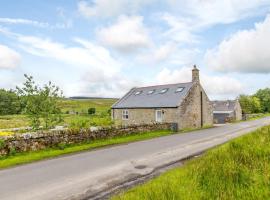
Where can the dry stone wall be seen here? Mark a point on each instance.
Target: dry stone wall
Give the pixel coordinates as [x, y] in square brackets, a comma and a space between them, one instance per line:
[41, 140]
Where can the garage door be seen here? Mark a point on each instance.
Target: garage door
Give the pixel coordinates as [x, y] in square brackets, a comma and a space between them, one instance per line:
[220, 118]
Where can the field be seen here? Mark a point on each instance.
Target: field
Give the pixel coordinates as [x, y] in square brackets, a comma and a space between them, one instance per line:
[239, 169]
[78, 108]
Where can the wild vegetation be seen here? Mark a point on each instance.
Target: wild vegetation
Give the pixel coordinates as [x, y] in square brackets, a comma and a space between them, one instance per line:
[256, 103]
[239, 169]
[44, 107]
[40, 104]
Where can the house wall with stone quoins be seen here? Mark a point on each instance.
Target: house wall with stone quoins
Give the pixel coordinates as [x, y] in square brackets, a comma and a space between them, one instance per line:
[238, 111]
[189, 107]
[187, 115]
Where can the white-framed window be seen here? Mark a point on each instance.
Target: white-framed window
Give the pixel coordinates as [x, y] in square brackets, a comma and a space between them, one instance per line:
[125, 114]
[151, 91]
[163, 90]
[179, 89]
[159, 116]
[138, 92]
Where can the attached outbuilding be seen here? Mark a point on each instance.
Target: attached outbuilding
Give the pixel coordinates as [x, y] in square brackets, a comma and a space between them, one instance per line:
[185, 104]
[226, 111]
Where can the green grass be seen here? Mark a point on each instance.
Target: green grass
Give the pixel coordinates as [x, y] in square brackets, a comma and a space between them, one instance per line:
[101, 105]
[101, 118]
[27, 157]
[13, 121]
[259, 116]
[239, 169]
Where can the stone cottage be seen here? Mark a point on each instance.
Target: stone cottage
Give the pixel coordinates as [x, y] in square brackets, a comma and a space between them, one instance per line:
[185, 104]
[226, 111]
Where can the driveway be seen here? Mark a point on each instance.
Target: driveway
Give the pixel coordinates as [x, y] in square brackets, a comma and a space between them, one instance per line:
[83, 175]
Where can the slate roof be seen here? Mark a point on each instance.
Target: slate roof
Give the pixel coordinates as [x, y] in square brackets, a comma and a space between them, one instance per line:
[169, 99]
[224, 106]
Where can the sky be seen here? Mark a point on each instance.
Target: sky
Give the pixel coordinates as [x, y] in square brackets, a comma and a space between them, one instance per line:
[103, 48]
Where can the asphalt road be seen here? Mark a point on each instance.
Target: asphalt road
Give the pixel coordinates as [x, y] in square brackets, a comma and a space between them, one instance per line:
[79, 176]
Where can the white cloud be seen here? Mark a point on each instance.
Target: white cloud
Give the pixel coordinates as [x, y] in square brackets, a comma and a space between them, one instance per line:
[110, 8]
[66, 24]
[215, 86]
[169, 53]
[100, 74]
[23, 21]
[180, 28]
[105, 85]
[245, 51]
[210, 12]
[85, 54]
[9, 58]
[127, 34]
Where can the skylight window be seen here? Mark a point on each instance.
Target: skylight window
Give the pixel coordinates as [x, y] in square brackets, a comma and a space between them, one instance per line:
[163, 90]
[151, 92]
[179, 89]
[138, 92]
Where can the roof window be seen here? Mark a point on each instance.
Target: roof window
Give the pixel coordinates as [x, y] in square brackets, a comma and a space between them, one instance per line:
[151, 92]
[179, 89]
[138, 92]
[163, 90]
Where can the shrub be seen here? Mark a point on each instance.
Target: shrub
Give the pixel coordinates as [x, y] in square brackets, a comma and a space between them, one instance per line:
[12, 151]
[91, 111]
[109, 112]
[62, 145]
[2, 144]
[78, 124]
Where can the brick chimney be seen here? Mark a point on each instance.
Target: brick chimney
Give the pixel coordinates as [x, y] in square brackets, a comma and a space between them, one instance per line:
[195, 74]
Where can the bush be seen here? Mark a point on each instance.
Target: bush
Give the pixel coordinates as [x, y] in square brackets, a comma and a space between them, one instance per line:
[109, 112]
[62, 145]
[91, 111]
[12, 151]
[2, 144]
[78, 124]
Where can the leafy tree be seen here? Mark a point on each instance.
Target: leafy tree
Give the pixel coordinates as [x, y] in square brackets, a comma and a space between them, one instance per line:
[250, 104]
[41, 103]
[264, 97]
[9, 102]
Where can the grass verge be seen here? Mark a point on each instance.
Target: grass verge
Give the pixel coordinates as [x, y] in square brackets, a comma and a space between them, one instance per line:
[27, 157]
[239, 169]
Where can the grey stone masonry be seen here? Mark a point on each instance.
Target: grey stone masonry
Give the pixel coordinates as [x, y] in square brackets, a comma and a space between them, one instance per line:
[193, 109]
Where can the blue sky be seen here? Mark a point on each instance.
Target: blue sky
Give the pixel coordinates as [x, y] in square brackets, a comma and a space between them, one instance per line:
[105, 47]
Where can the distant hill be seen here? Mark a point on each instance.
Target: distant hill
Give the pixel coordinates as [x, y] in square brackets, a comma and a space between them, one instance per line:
[82, 97]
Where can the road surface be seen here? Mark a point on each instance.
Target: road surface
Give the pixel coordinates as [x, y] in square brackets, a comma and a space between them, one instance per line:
[82, 175]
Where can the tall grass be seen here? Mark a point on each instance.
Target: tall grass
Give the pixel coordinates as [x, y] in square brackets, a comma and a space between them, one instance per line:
[239, 169]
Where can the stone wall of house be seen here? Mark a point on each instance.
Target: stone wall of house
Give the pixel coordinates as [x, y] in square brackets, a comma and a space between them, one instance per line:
[188, 115]
[190, 109]
[145, 116]
[41, 140]
[238, 111]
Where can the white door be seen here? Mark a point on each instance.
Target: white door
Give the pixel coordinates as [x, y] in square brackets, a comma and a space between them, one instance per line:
[159, 116]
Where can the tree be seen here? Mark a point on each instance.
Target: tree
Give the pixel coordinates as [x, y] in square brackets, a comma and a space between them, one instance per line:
[250, 104]
[41, 104]
[264, 96]
[9, 102]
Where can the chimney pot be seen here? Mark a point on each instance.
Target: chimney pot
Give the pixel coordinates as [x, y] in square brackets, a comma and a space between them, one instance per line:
[195, 74]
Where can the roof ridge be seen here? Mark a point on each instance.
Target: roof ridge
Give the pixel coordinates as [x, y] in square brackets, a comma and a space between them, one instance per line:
[162, 85]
